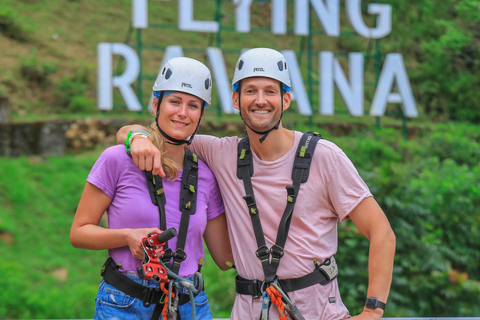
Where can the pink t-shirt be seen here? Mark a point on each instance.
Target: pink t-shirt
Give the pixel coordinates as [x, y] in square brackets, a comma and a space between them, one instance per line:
[131, 207]
[334, 188]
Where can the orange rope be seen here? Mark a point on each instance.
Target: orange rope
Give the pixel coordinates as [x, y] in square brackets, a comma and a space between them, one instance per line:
[165, 305]
[276, 299]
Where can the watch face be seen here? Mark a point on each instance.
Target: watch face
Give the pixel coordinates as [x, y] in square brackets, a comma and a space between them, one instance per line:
[371, 303]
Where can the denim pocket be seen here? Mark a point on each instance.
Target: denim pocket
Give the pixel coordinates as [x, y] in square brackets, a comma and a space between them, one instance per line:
[112, 297]
[201, 300]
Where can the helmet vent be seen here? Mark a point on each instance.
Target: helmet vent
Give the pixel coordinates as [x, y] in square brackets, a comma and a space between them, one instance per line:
[280, 65]
[163, 71]
[207, 83]
[168, 74]
[285, 66]
[240, 65]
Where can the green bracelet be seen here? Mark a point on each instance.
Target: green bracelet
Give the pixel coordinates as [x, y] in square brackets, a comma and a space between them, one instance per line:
[127, 142]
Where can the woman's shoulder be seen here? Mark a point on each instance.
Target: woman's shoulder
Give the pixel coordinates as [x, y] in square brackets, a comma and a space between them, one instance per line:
[115, 152]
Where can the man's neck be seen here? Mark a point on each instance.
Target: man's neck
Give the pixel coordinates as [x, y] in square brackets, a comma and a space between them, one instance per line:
[277, 144]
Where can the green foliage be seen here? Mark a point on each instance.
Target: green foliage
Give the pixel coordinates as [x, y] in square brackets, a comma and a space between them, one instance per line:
[71, 93]
[11, 25]
[444, 38]
[429, 189]
[36, 71]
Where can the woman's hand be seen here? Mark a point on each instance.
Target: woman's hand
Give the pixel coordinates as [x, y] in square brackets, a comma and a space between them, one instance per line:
[134, 237]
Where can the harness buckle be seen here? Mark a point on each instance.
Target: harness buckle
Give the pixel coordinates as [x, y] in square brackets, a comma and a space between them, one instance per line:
[256, 289]
[262, 253]
[148, 296]
[291, 196]
[249, 200]
[276, 251]
[179, 254]
[329, 268]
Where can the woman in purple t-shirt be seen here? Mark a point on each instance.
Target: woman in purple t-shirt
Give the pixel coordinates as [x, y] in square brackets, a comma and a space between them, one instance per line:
[116, 185]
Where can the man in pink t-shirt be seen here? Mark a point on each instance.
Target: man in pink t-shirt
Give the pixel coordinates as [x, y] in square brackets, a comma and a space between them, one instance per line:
[334, 191]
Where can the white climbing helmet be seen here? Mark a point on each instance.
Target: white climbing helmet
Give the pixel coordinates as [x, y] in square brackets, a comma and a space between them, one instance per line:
[262, 62]
[185, 75]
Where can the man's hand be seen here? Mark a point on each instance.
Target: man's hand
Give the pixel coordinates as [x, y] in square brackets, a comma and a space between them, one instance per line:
[146, 156]
[369, 314]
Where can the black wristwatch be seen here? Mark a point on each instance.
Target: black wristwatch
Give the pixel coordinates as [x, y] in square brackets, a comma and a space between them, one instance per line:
[374, 303]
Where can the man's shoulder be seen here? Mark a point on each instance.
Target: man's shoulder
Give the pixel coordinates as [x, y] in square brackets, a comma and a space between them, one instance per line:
[323, 144]
[209, 141]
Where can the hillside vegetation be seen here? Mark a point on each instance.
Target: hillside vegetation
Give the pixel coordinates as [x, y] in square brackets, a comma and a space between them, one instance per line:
[428, 185]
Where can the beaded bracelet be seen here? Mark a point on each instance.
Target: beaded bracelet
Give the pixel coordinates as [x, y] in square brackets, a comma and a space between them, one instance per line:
[135, 134]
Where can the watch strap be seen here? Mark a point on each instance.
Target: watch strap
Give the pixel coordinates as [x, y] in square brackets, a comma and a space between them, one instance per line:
[374, 303]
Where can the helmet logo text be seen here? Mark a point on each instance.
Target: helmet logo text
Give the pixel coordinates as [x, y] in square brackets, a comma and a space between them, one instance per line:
[258, 70]
[188, 85]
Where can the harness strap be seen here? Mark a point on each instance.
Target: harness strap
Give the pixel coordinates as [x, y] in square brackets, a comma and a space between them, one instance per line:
[300, 169]
[148, 295]
[188, 200]
[323, 274]
[188, 205]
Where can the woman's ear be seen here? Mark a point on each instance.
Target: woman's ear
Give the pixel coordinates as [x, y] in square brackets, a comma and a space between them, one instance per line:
[154, 106]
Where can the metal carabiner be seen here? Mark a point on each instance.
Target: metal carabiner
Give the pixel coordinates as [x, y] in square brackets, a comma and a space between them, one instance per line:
[291, 309]
[265, 305]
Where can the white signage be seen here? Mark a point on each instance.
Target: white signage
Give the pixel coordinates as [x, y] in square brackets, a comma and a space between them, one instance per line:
[351, 88]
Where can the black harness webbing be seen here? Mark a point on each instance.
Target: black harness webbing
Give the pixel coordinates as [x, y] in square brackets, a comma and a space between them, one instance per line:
[300, 171]
[188, 206]
[148, 295]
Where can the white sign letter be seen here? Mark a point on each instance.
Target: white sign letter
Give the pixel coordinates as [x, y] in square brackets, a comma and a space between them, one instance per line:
[393, 69]
[139, 14]
[220, 75]
[242, 15]
[330, 72]
[279, 16]
[299, 93]
[328, 14]
[383, 22]
[123, 81]
[186, 22]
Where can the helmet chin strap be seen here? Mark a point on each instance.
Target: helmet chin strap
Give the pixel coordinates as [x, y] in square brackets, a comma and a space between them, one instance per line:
[264, 133]
[171, 140]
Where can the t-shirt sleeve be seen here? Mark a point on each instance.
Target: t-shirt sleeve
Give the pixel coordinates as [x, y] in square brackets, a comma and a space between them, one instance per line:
[104, 173]
[346, 189]
[206, 147]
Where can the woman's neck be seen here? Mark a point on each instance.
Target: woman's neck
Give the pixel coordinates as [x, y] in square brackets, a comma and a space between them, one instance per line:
[175, 153]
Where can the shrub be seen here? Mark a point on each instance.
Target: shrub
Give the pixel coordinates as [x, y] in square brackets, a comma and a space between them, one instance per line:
[35, 71]
[11, 26]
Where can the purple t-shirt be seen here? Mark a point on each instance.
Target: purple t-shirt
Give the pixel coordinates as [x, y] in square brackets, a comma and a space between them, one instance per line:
[131, 207]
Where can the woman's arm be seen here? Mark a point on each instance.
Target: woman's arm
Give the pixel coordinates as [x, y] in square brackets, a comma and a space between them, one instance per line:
[218, 242]
[87, 234]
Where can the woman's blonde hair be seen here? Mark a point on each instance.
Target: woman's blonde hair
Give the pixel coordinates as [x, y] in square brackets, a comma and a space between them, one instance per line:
[169, 166]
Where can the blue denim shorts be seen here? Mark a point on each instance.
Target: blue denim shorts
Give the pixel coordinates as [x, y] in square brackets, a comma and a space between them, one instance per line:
[112, 303]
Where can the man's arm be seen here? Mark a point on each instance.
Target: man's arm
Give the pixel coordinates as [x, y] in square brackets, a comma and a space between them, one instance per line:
[372, 222]
[144, 153]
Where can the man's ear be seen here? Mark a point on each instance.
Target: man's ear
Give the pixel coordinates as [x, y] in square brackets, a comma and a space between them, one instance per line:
[287, 99]
[235, 101]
